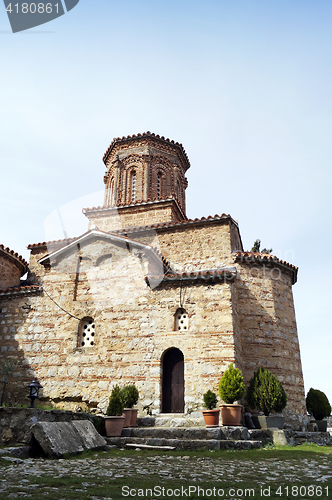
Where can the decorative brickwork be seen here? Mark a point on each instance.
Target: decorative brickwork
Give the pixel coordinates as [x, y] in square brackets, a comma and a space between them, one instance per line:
[12, 267]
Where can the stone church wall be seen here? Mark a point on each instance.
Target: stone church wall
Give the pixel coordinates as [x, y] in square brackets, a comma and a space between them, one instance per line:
[134, 326]
[195, 247]
[268, 328]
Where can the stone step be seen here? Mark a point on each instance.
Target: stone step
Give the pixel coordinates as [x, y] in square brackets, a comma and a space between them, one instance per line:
[194, 433]
[185, 444]
[15, 451]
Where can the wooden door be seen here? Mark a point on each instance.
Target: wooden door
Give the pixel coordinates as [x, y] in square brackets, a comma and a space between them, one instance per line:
[173, 382]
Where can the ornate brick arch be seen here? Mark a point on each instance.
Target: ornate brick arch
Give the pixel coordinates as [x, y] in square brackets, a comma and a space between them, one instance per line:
[161, 165]
[132, 166]
[110, 192]
[181, 186]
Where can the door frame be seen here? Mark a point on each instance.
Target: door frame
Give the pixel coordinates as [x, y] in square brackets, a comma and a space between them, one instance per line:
[167, 401]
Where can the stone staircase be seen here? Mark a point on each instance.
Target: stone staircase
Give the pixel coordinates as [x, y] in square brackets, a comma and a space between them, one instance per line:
[189, 438]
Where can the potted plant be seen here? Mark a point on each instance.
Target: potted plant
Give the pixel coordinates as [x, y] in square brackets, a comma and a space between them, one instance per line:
[319, 407]
[231, 388]
[266, 394]
[114, 420]
[129, 395]
[210, 414]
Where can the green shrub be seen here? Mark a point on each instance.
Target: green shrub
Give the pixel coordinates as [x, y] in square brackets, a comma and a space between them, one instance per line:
[210, 400]
[129, 395]
[115, 405]
[231, 386]
[266, 393]
[317, 404]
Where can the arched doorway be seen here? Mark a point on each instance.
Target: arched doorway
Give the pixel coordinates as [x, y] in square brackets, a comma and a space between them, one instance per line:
[173, 381]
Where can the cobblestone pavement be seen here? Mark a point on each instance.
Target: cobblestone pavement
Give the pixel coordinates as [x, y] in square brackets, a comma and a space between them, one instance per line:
[165, 469]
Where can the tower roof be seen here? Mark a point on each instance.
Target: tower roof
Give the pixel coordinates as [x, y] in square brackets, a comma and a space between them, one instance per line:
[149, 136]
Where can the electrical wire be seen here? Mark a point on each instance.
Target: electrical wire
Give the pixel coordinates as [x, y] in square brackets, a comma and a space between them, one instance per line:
[62, 309]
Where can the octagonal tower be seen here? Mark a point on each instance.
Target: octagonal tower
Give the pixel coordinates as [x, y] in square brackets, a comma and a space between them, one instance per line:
[145, 183]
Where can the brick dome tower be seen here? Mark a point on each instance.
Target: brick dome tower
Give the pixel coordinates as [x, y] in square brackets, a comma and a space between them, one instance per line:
[145, 182]
[12, 268]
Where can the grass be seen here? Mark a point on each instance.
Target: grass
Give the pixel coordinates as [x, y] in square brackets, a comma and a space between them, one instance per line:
[251, 474]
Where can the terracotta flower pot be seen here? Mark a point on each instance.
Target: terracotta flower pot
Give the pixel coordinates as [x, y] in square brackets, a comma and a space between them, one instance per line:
[231, 414]
[114, 426]
[211, 418]
[133, 420]
[127, 416]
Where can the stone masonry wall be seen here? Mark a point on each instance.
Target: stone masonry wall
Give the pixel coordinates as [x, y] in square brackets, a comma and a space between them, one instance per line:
[268, 328]
[10, 273]
[196, 247]
[134, 325]
[121, 218]
[250, 321]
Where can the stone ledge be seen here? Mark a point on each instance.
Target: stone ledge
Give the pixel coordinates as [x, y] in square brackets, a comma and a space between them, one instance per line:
[15, 451]
[186, 444]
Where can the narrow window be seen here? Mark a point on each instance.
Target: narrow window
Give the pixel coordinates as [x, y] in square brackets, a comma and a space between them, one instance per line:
[133, 185]
[86, 333]
[112, 197]
[159, 185]
[181, 320]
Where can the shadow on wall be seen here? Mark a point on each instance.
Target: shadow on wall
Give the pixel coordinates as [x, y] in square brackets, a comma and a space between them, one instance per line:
[15, 371]
[268, 330]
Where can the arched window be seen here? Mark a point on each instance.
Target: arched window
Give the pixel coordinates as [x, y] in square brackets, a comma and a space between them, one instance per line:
[86, 333]
[181, 320]
[159, 185]
[133, 185]
[112, 194]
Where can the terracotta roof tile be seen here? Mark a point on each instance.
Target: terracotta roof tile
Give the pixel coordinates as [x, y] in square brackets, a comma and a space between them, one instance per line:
[20, 290]
[65, 241]
[265, 257]
[178, 223]
[141, 136]
[134, 229]
[205, 275]
[15, 255]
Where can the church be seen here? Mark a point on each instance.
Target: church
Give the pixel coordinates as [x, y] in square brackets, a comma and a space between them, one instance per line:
[148, 296]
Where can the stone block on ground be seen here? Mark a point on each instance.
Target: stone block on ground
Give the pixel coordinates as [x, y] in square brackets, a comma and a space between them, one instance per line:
[59, 438]
[88, 434]
[278, 437]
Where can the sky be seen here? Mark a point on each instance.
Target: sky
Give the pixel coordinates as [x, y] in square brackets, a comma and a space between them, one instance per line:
[244, 85]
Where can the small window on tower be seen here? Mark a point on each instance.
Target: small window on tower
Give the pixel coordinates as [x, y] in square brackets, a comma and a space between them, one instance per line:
[159, 181]
[133, 186]
[86, 333]
[181, 320]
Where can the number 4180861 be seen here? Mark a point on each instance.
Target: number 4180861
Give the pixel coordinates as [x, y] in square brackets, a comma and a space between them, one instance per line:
[303, 491]
[33, 8]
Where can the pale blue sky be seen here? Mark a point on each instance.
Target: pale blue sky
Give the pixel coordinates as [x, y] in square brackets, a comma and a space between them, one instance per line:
[244, 85]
